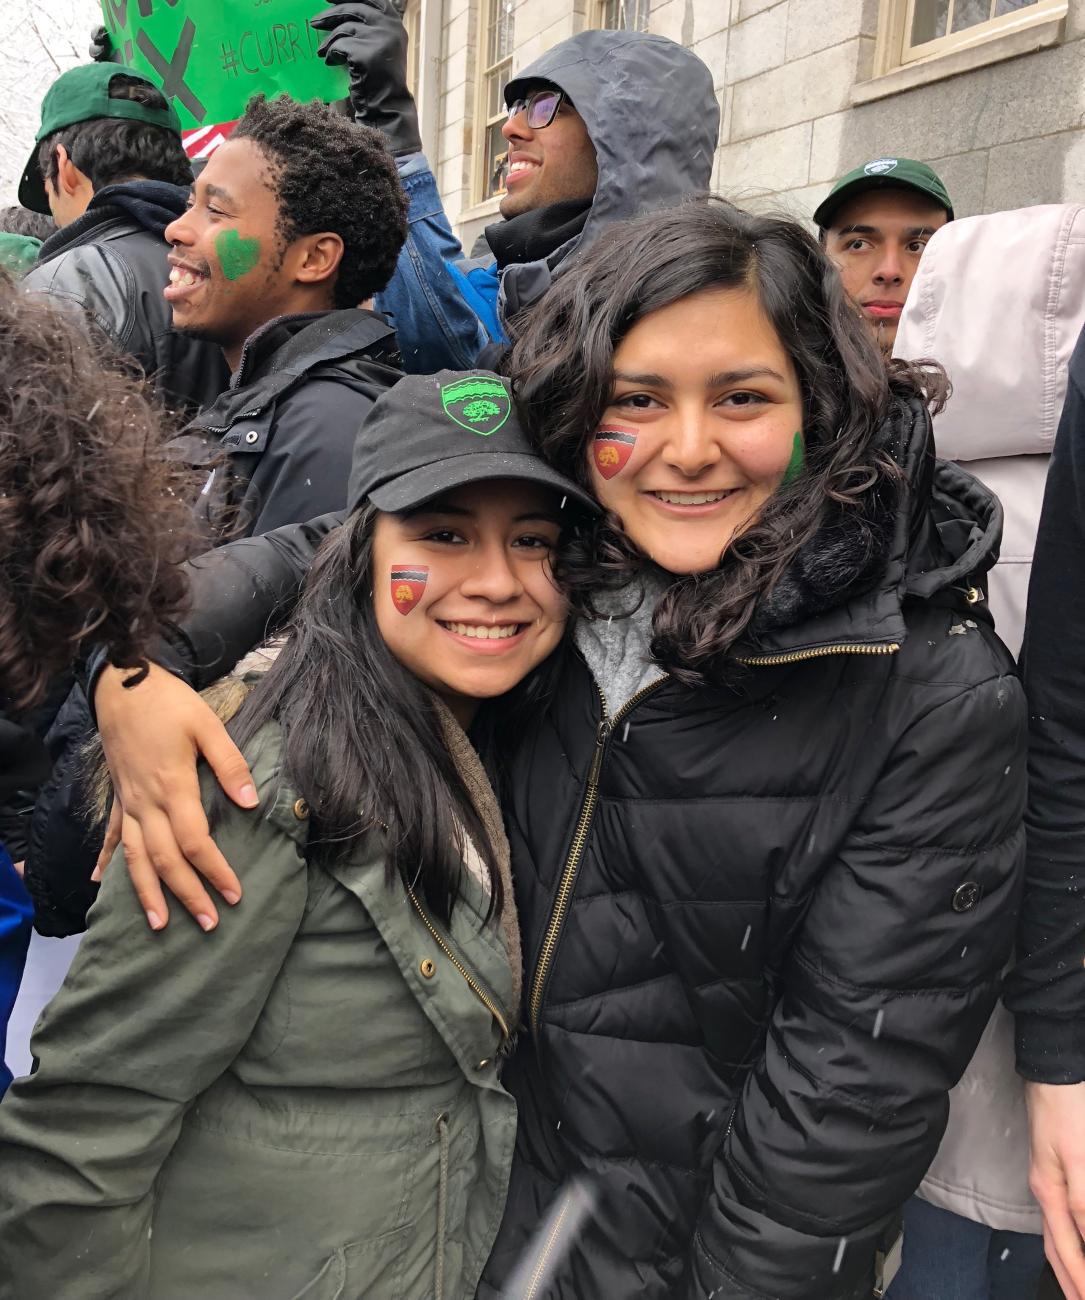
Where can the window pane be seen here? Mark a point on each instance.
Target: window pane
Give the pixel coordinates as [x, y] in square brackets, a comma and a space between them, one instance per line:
[501, 30]
[929, 21]
[1011, 6]
[967, 13]
[495, 161]
[495, 99]
[626, 15]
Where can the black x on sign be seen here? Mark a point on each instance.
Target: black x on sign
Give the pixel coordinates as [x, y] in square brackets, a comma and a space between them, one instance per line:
[172, 69]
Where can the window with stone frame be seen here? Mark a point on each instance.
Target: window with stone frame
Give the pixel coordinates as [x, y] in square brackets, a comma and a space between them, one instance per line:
[914, 30]
[495, 64]
[623, 15]
[412, 21]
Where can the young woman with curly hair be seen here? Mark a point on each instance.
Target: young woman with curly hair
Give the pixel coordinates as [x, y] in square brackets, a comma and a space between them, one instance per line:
[92, 523]
[767, 836]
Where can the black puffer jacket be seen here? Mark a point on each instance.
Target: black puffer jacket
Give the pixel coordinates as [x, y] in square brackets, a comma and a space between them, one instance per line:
[763, 927]
[763, 930]
[111, 265]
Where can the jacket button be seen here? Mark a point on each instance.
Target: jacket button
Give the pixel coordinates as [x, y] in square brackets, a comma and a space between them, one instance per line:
[252, 436]
[484, 1063]
[301, 810]
[966, 896]
[428, 968]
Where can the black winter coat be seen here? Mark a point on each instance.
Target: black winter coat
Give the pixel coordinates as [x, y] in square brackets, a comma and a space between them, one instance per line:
[763, 925]
[763, 928]
[111, 265]
[277, 443]
[1047, 989]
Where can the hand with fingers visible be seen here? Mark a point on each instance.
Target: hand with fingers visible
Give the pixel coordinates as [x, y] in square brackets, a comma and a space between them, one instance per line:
[1057, 1177]
[153, 734]
[369, 37]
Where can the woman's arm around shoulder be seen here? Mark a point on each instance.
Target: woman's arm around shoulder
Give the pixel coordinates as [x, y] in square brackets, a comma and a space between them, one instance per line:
[144, 1023]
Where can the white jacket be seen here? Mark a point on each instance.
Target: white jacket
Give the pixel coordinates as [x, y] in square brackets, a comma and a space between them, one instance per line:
[999, 301]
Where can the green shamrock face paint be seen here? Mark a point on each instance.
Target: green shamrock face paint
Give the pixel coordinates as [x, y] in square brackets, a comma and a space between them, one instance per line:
[797, 461]
[237, 256]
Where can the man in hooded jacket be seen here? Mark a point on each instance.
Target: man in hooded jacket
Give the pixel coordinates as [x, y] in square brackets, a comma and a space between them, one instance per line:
[635, 128]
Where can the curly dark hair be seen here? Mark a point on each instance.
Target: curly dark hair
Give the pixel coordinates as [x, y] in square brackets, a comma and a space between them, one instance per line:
[111, 149]
[17, 220]
[332, 174]
[94, 516]
[562, 369]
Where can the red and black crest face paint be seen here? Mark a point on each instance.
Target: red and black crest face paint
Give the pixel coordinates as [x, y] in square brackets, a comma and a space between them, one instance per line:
[612, 448]
[408, 584]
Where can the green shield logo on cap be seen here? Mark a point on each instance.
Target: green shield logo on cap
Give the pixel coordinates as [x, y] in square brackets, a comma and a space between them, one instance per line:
[479, 405]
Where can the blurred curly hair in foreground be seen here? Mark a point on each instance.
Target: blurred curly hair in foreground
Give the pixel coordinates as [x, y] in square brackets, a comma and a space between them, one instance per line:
[94, 517]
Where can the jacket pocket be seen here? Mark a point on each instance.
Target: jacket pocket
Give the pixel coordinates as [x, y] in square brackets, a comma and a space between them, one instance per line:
[362, 1270]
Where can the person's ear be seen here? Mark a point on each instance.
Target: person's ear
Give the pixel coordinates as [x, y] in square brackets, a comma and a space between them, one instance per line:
[319, 258]
[69, 178]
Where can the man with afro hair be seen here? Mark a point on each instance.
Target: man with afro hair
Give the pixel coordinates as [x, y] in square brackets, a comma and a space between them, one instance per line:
[293, 225]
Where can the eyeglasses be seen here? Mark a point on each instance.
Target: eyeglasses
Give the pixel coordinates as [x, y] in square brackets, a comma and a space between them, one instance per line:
[541, 107]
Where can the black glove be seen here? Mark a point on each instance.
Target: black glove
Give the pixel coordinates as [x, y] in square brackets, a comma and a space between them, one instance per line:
[369, 37]
[101, 46]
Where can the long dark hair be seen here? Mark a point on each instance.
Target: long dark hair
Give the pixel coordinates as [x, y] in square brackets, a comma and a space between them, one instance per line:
[94, 514]
[362, 740]
[562, 367]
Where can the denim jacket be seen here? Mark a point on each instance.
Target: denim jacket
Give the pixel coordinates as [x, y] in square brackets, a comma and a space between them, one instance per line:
[444, 308]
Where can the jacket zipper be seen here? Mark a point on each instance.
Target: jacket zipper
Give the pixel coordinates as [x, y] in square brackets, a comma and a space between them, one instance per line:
[820, 652]
[473, 984]
[580, 836]
[591, 797]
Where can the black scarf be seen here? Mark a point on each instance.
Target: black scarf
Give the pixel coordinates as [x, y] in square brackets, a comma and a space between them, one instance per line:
[534, 235]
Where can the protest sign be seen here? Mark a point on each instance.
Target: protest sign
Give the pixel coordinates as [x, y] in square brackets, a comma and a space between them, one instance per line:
[210, 56]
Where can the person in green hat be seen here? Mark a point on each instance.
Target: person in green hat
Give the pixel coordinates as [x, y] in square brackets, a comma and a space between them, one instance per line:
[874, 224]
[109, 165]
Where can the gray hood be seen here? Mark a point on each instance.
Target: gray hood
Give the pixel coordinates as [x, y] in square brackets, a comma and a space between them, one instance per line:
[652, 114]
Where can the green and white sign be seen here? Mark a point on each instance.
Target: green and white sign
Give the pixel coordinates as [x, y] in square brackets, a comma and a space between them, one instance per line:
[210, 56]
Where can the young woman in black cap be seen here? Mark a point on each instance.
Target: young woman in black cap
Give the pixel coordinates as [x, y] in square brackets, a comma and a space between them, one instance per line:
[313, 1106]
[767, 835]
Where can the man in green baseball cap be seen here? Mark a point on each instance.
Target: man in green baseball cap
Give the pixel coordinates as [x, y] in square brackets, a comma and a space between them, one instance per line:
[109, 164]
[88, 94]
[874, 224]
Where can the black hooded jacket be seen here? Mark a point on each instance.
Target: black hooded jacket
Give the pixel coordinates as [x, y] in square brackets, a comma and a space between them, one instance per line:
[763, 926]
[111, 264]
[650, 110]
[277, 444]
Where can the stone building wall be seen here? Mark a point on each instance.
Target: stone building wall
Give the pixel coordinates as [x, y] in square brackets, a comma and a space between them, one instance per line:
[795, 84]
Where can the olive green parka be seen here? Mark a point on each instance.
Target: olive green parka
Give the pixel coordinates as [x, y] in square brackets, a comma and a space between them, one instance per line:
[303, 1103]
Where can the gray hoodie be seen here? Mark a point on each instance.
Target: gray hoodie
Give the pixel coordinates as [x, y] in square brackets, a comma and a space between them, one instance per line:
[651, 112]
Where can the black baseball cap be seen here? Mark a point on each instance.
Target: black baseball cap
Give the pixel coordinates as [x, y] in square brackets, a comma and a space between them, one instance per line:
[882, 173]
[432, 433]
[80, 95]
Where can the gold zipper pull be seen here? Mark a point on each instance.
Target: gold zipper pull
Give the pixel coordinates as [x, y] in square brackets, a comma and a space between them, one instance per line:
[602, 732]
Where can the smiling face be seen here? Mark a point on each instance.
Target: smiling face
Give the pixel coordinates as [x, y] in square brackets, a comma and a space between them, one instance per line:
[876, 242]
[462, 589]
[701, 427]
[553, 164]
[231, 270]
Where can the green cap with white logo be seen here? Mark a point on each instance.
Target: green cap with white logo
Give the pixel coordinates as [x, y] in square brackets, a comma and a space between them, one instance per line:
[80, 95]
[882, 173]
